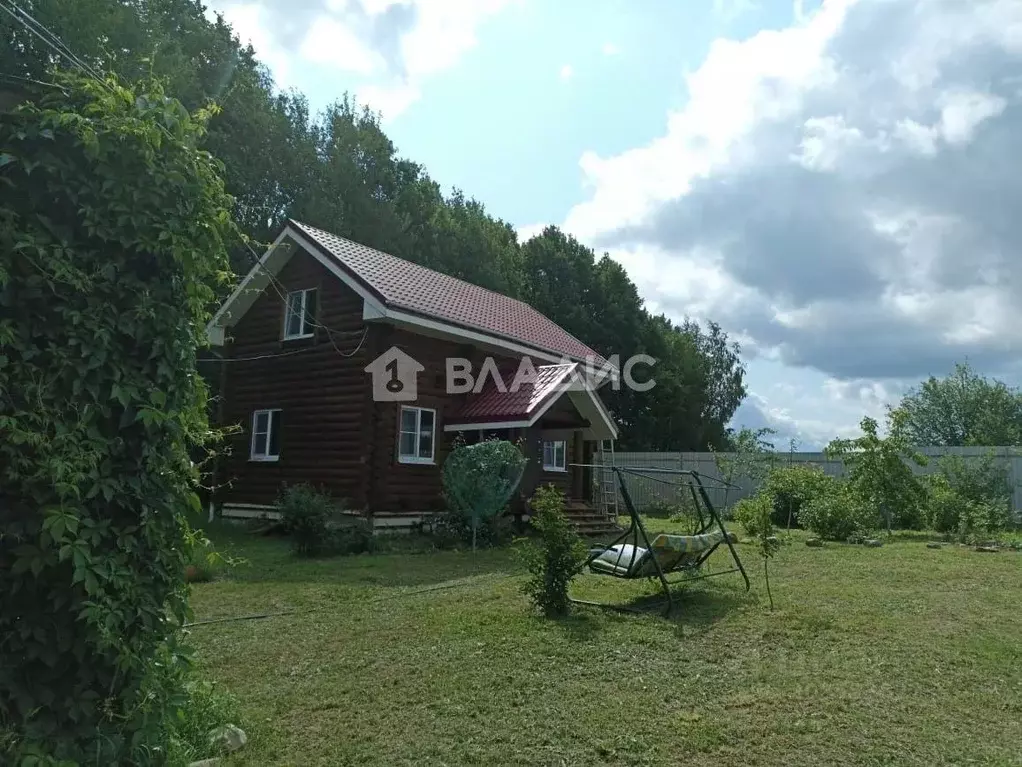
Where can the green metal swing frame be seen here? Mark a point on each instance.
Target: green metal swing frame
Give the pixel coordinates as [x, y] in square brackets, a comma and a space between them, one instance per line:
[635, 535]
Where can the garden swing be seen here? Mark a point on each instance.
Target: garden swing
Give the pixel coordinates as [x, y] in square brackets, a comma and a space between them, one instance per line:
[634, 555]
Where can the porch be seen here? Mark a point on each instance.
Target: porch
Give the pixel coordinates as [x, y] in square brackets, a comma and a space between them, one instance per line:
[559, 423]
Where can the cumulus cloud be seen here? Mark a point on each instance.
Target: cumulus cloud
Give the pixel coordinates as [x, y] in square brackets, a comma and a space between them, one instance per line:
[395, 45]
[840, 193]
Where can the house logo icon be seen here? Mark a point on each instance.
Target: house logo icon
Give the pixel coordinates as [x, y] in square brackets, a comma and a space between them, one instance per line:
[395, 376]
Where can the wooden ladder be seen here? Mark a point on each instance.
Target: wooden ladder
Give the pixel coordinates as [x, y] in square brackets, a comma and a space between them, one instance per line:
[608, 496]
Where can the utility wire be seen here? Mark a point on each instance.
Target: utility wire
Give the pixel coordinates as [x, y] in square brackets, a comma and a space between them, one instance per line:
[53, 41]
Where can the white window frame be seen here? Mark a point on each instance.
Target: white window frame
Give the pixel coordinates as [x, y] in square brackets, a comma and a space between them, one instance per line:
[416, 458]
[305, 328]
[252, 455]
[564, 455]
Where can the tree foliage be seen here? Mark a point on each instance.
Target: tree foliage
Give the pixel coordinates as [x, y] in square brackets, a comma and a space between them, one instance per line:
[340, 171]
[113, 235]
[879, 473]
[963, 408]
[480, 479]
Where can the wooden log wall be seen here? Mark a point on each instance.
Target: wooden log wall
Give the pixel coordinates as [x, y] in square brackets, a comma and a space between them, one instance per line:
[320, 391]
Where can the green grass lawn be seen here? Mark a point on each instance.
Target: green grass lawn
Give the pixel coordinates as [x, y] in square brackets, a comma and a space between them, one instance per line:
[898, 655]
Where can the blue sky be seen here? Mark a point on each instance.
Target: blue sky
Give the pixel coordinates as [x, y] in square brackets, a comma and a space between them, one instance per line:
[829, 181]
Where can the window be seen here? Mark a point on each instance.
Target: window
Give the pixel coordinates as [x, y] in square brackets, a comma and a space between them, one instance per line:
[415, 441]
[299, 314]
[265, 435]
[554, 455]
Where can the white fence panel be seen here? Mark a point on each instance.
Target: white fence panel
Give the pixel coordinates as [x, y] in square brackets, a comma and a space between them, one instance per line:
[653, 488]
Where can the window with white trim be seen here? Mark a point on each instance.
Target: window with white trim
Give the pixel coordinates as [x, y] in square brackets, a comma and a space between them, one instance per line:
[299, 314]
[417, 433]
[555, 455]
[265, 435]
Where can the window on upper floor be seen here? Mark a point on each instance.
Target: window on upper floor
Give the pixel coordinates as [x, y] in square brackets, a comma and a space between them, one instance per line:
[416, 435]
[299, 314]
[265, 445]
[555, 456]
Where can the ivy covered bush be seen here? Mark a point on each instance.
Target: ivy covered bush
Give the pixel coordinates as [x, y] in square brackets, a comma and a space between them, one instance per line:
[113, 234]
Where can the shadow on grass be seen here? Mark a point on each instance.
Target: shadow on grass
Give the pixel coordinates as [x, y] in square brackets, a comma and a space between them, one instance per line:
[580, 626]
[693, 607]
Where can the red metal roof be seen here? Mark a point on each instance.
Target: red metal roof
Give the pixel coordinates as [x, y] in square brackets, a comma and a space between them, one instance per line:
[493, 405]
[414, 288]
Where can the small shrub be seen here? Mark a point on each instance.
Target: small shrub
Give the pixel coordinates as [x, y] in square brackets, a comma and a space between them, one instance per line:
[949, 511]
[838, 515]
[554, 556]
[982, 478]
[944, 506]
[351, 535]
[755, 514]
[789, 487]
[307, 514]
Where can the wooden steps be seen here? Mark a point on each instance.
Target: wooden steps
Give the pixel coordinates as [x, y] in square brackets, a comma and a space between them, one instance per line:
[588, 521]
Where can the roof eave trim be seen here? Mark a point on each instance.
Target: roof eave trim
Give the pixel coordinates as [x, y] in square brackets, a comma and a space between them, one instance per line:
[483, 425]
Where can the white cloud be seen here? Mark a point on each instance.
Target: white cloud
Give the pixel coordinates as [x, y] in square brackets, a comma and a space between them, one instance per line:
[529, 231]
[566, 72]
[610, 49]
[838, 194]
[395, 46]
[331, 42]
[963, 111]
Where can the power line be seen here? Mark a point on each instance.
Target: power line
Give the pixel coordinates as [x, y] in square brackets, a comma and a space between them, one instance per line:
[53, 41]
[49, 38]
[258, 356]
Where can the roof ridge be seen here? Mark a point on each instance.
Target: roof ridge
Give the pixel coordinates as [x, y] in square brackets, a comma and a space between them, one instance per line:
[447, 276]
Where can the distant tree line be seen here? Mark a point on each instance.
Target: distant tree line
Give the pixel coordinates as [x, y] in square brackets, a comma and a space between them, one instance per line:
[338, 170]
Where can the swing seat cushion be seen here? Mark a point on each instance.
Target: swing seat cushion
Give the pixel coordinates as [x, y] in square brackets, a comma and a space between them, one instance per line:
[674, 552]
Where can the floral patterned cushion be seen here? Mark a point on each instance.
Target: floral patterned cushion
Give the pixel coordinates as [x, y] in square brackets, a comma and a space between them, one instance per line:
[674, 552]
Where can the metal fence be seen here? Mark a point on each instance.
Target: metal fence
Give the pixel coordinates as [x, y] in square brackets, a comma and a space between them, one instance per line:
[648, 490]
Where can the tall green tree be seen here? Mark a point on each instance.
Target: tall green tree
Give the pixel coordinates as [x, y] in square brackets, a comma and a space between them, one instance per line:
[879, 472]
[340, 171]
[963, 408]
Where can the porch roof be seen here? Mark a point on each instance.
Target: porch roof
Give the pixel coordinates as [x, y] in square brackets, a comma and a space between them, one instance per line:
[507, 407]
